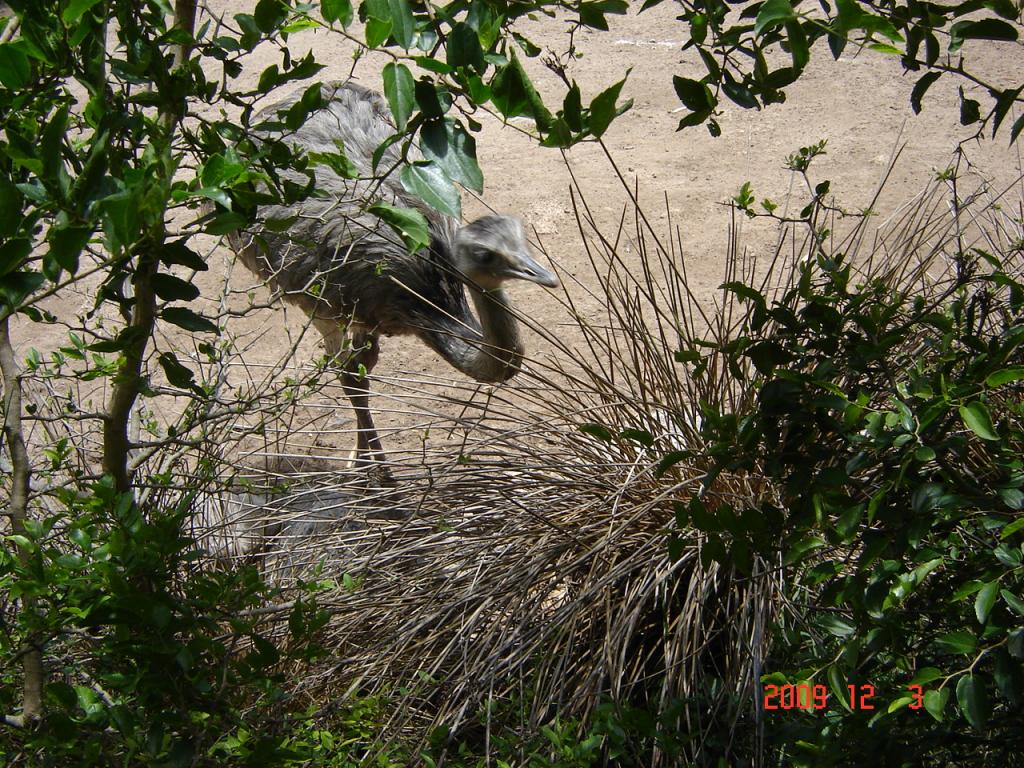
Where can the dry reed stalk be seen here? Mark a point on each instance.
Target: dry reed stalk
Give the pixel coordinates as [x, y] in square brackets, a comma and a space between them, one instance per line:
[528, 562]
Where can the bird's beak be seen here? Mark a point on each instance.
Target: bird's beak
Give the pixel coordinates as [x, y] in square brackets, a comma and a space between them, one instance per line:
[526, 268]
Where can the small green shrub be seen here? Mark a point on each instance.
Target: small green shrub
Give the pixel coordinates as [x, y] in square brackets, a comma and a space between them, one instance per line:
[152, 658]
[886, 424]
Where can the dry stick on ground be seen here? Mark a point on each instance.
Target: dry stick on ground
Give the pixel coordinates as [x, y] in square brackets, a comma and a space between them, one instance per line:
[17, 511]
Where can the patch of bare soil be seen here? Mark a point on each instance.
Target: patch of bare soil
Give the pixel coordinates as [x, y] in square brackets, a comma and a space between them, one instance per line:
[860, 104]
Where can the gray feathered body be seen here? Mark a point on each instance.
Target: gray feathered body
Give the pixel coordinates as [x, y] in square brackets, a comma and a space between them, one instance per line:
[338, 262]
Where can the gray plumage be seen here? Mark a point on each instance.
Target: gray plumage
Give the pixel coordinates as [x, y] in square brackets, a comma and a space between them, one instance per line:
[352, 275]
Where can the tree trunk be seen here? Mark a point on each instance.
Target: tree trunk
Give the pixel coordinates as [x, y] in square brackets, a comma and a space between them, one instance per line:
[17, 511]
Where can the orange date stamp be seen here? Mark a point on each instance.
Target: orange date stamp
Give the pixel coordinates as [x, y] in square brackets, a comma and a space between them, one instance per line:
[815, 697]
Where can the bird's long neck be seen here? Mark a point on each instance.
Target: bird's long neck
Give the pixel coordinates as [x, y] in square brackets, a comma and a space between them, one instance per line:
[495, 352]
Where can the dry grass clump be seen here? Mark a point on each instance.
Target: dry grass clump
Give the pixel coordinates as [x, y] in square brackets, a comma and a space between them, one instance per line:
[528, 562]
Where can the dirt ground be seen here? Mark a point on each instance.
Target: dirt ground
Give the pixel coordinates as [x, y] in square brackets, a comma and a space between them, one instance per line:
[860, 104]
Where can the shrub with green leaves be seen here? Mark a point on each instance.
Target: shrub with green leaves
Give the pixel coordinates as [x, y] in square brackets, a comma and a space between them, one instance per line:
[151, 659]
[885, 418]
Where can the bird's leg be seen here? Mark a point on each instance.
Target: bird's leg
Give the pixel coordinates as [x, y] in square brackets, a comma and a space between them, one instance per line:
[354, 378]
[356, 366]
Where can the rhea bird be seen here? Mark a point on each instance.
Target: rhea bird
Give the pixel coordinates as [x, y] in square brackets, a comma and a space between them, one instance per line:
[354, 278]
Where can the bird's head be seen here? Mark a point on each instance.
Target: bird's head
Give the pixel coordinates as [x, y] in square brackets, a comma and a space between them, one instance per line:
[493, 249]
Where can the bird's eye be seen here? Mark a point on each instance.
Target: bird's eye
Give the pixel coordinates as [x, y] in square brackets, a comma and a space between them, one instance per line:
[485, 257]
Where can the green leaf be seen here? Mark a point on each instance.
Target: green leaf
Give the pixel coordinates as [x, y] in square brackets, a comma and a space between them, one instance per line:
[740, 95]
[452, 149]
[698, 28]
[377, 16]
[514, 95]
[976, 416]
[177, 252]
[592, 13]
[799, 48]
[216, 194]
[603, 108]
[388, 18]
[337, 10]
[177, 374]
[1012, 528]
[925, 675]
[959, 641]
[221, 168]
[704, 520]
[773, 13]
[51, 143]
[225, 223]
[13, 254]
[836, 625]
[464, 49]
[935, 702]
[22, 541]
[120, 221]
[985, 600]
[75, 10]
[269, 14]
[899, 703]
[744, 291]
[559, 134]
[432, 185]
[526, 45]
[311, 100]
[801, 548]
[399, 88]
[972, 696]
[15, 71]
[1015, 643]
[403, 25]
[10, 208]
[837, 682]
[1005, 376]
[17, 286]
[171, 288]
[713, 550]
[1009, 676]
[433, 65]
[983, 29]
[694, 95]
[676, 548]
[1013, 601]
[410, 225]
[599, 431]
[572, 109]
[641, 436]
[187, 319]
[433, 100]
[338, 162]
[670, 460]
[66, 244]
[1008, 556]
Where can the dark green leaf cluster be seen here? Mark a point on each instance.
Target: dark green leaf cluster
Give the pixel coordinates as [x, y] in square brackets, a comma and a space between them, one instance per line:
[927, 37]
[160, 662]
[888, 427]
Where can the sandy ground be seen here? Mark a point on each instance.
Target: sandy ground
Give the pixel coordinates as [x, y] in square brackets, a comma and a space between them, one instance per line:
[860, 104]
